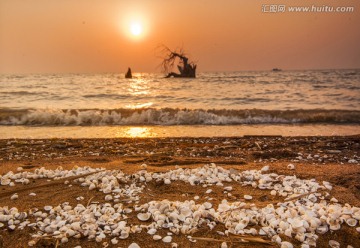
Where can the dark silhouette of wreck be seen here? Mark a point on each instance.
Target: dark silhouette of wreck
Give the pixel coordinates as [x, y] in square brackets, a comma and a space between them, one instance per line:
[186, 69]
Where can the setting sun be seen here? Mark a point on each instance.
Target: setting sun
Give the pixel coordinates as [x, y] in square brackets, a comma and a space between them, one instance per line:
[136, 29]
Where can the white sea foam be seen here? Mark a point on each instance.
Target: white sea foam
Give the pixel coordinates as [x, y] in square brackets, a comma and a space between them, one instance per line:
[56, 117]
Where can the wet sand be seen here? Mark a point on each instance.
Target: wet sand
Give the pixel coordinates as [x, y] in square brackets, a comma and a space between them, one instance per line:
[153, 131]
[327, 158]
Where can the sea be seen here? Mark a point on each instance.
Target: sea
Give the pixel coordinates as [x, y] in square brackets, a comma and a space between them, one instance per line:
[290, 103]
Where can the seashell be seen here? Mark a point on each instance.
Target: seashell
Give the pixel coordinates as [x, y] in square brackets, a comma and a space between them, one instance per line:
[288, 232]
[358, 229]
[14, 196]
[108, 197]
[312, 198]
[64, 240]
[265, 168]
[351, 222]
[286, 244]
[224, 245]
[167, 181]
[185, 212]
[11, 227]
[291, 167]
[207, 205]
[334, 244]
[167, 239]
[335, 226]
[157, 237]
[174, 245]
[229, 188]
[133, 245]
[124, 234]
[273, 192]
[32, 243]
[248, 197]
[322, 229]
[48, 208]
[196, 197]
[32, 194]
[114, 241]
[143, 216]
[152, 231]
[208, 191]
[92, 186]
[5, 181]
[296, 223]
[21, 216]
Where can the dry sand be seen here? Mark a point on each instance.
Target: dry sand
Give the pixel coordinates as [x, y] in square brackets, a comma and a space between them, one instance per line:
[334, 159]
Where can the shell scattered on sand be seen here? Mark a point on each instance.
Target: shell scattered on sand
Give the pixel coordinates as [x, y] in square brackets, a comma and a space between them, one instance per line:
[303, 215]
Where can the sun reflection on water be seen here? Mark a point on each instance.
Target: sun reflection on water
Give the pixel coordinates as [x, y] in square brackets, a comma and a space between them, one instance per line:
[139, 86]
[138, 132]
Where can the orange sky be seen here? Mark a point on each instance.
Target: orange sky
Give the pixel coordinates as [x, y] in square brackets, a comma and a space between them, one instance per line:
[51, 36]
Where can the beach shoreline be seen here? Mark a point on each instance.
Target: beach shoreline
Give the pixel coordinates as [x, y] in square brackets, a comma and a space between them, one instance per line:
[325, 158]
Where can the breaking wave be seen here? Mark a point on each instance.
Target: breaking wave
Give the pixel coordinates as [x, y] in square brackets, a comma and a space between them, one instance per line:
[169, 116]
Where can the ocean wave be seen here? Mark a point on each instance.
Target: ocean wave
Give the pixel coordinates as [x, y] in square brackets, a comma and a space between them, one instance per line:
[169, 116]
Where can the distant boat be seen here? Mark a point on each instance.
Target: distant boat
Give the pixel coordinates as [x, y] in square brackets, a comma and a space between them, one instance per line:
[276, 69]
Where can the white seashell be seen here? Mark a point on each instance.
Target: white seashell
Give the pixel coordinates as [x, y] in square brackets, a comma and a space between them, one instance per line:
[186, 212]
[20, 168]
[133, 245]
[334, 199]
[92, 186]
[334, 244]
[5, 181]
[152, 231]
[273, 192]
[296, 223]
[288, 232]
[248, 197]
[291, 167]
[286, 244]
[167, 181]
[208, 191]
[322, 229]
[224, 245]
[48, 208]
[108, 197]
[167, 239]
[196, 197]
[114, 241]
[64, 240]
[174, 245]
[265, 168]
[143, 216]
[229, 188]
[351, 222]
[124, 234]
[32, 194]
[14, 196]
[157, 237]
[207, 205]
[358, 229]
[32, 243]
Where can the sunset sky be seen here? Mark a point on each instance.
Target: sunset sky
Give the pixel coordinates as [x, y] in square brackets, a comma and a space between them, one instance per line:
[52, 36]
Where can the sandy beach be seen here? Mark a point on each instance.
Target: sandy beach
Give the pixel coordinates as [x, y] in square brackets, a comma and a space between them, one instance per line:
[326, 158]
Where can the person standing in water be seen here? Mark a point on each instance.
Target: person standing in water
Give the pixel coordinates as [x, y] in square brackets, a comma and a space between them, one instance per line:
[128, 73]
